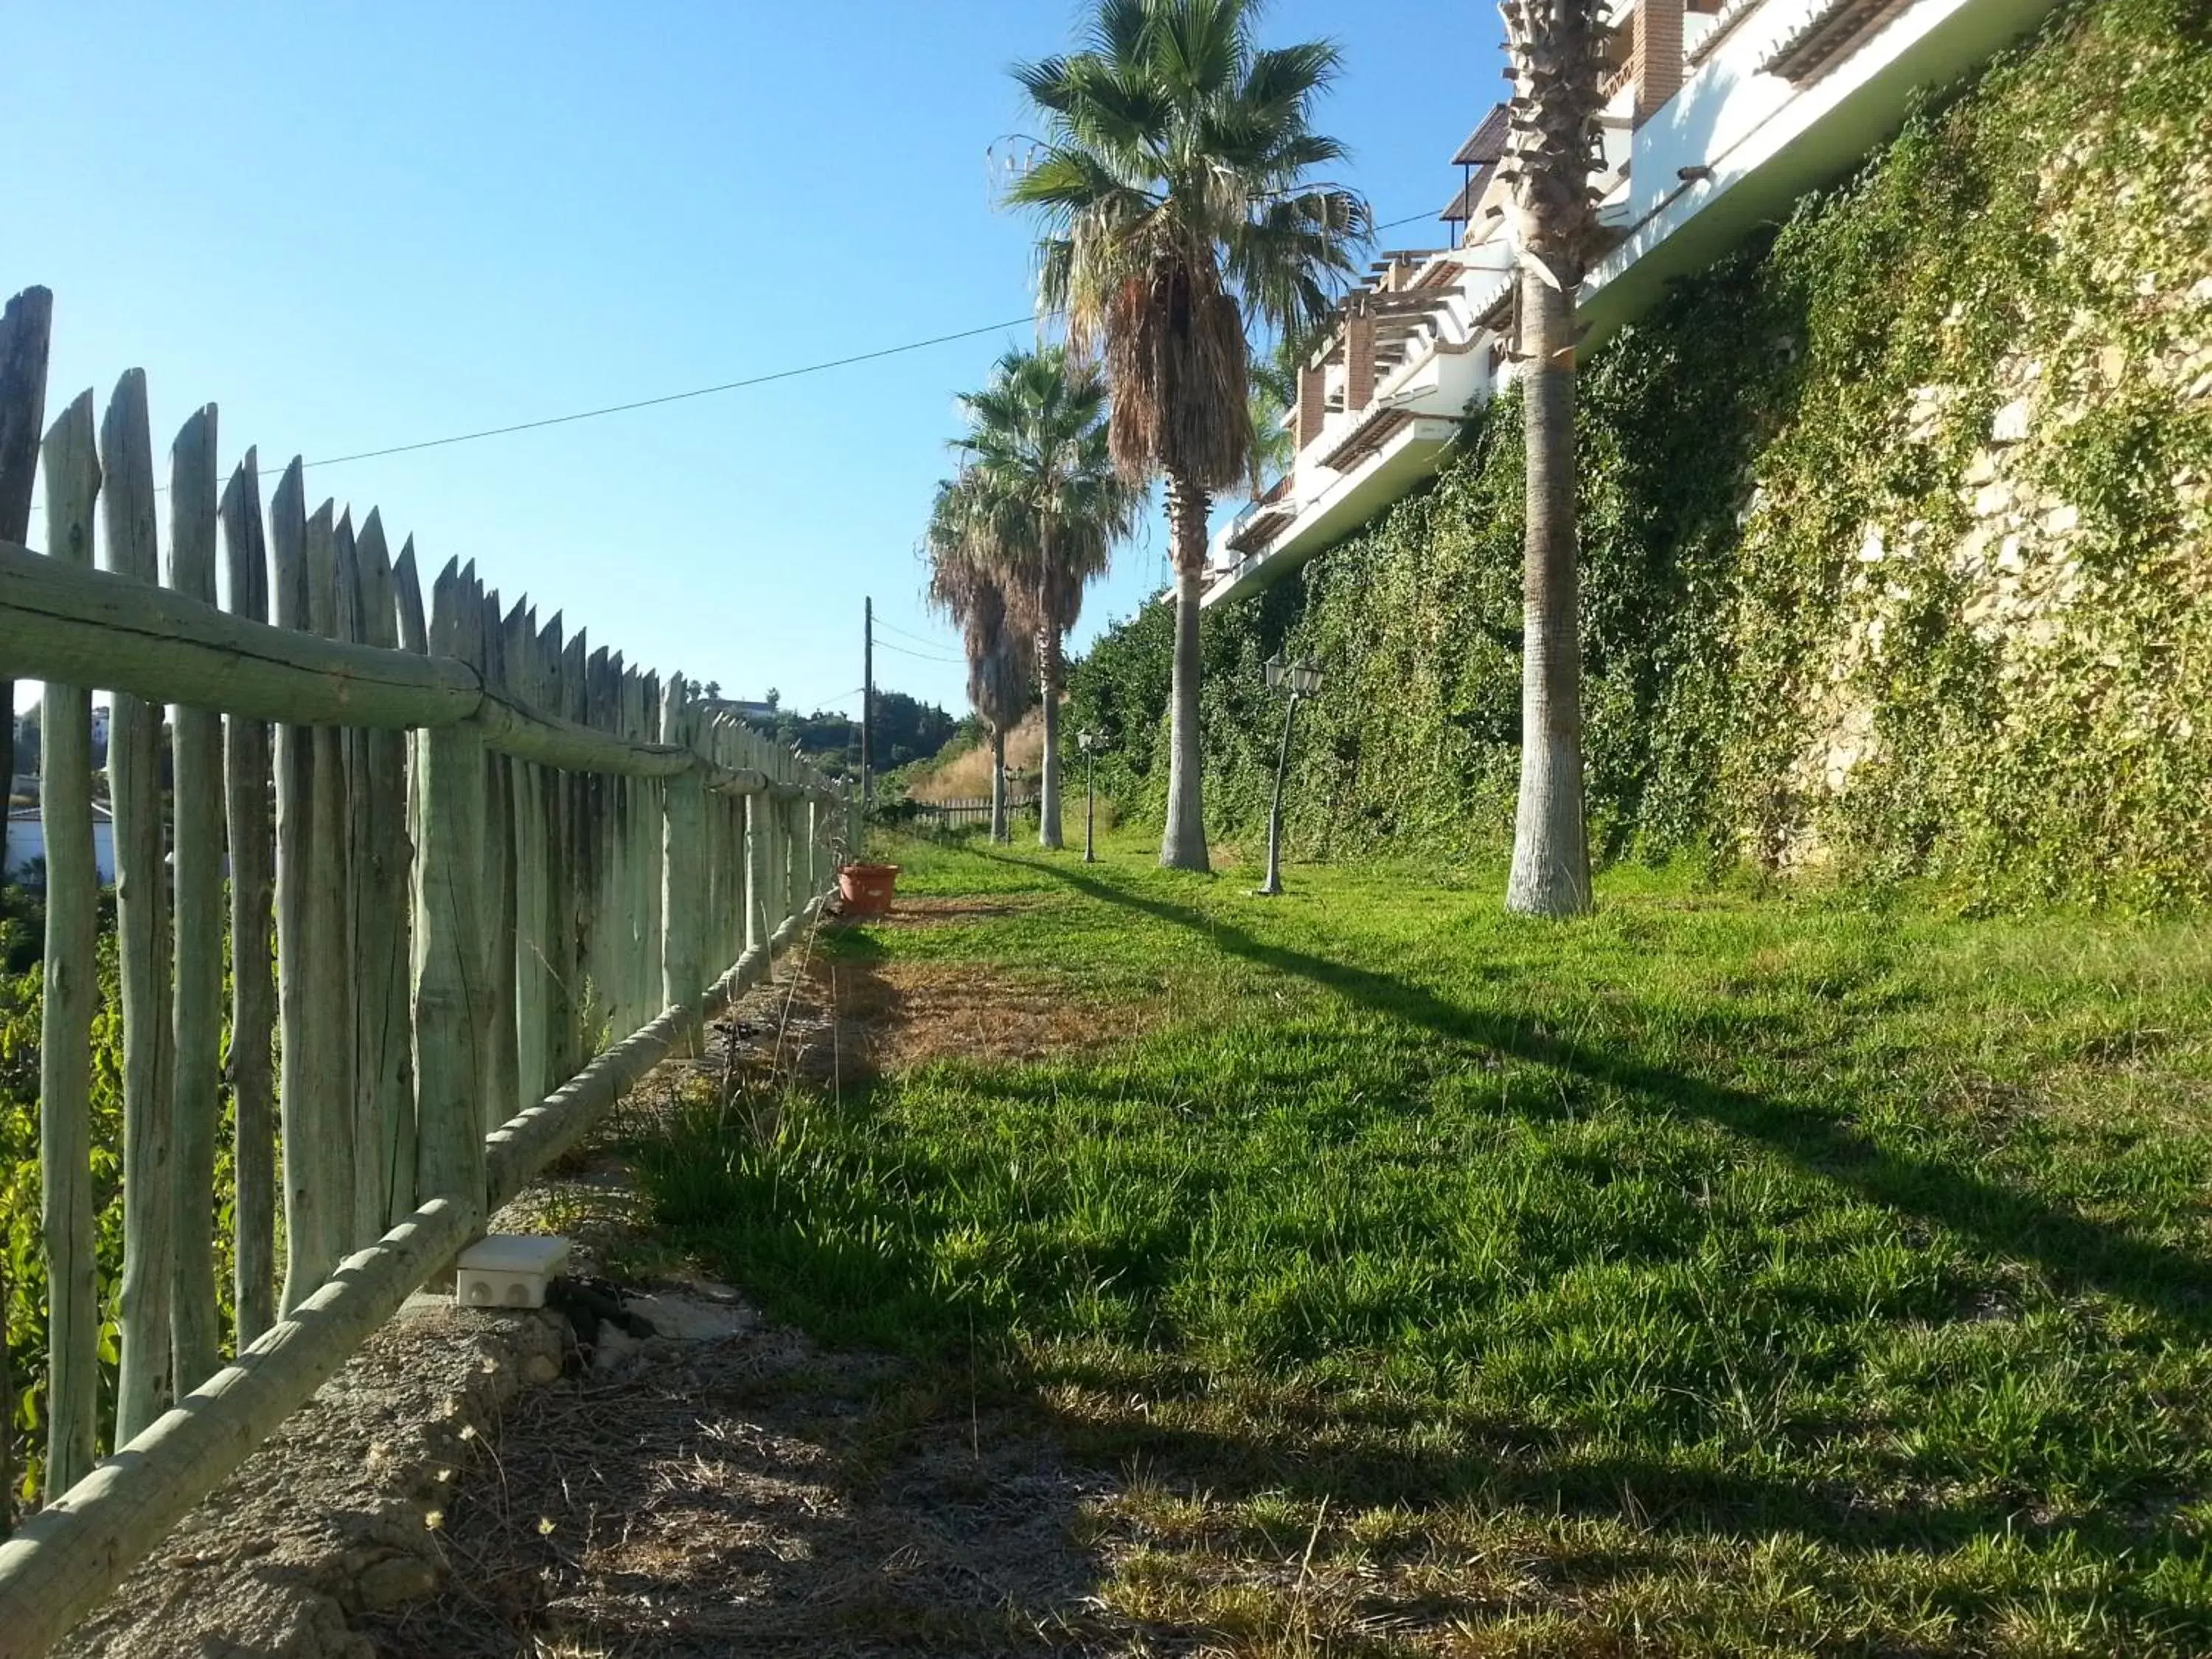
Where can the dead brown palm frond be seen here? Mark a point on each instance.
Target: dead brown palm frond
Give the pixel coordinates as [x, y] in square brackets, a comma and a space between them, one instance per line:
[967, 583]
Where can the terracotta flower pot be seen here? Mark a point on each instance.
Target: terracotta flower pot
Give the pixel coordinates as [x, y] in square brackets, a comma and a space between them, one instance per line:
[867, 889]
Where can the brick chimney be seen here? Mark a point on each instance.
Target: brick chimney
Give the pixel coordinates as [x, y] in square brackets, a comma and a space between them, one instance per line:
[1359, 355]
[1658, 55]
[1313, 402]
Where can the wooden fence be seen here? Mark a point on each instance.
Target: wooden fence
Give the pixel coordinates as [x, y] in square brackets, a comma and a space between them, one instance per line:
[481, 848]
[967, 813]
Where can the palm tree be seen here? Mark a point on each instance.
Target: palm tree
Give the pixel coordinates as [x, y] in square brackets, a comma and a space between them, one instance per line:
[1553, 46]
[1173, 185]
[966, 582]
[1036, 450]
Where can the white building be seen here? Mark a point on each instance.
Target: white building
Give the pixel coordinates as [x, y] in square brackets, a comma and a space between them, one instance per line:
[1719, 113]
[27, 844]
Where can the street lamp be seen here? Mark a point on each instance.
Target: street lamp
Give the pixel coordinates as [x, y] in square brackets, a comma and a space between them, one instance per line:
[1089, 743]
[1302, 680]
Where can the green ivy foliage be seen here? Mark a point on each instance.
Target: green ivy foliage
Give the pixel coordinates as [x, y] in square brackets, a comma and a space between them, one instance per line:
[22, 1253]
[1896, 544]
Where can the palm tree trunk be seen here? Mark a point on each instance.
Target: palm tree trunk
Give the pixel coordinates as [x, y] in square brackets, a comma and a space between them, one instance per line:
[1182, 843]
[1048, 775]
[999, 784]
[1551, 846]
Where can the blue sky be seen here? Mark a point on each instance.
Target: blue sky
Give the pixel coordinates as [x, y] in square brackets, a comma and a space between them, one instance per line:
[353, 226]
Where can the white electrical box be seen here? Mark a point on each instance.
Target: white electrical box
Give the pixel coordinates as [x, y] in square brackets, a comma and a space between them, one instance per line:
[509, 1270]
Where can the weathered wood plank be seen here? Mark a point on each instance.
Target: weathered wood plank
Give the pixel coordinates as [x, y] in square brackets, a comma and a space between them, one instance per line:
[759, 849]
[384, 878]
[682, 973]
[299, 1072]
[610, 931]
[89, 627]
[503, 1096]
[196, 773]
[328, 1114]
[407, 585]
[641, 835]
[26, 325]
[560, 1004]
[25, 331]
[141, 907]
[653, 817]
[364, 1221]
[249, 806]
[517, 1148]
[581, 870]
[714, 743]
[533, 1077]
[72, 992]
[448, 1078]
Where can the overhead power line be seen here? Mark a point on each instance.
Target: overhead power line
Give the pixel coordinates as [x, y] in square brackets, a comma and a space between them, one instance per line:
[923, 656]
[768, 379]
[1409, 219]
[919, 639]
[675, 397]
[711, 391]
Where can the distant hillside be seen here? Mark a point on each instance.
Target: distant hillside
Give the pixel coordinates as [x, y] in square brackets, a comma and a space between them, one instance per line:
[964, 772]
[907, 730]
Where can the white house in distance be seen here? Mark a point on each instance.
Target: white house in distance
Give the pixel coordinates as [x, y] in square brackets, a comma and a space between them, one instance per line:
[1718, 114]
[27, 844]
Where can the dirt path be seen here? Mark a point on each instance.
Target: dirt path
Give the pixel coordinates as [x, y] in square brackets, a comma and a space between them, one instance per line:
[750, 1491]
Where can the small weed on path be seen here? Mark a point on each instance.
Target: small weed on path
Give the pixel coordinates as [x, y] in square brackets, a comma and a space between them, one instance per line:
[1730, 1272]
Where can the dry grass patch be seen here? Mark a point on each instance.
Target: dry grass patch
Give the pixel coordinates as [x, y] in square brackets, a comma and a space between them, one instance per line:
[737, 1497]
[894, 1015]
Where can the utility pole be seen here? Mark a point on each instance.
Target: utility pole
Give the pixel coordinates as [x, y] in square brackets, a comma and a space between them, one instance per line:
[867, 700]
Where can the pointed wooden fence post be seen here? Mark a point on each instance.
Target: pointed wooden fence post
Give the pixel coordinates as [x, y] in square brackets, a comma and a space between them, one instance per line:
[72, 989]
[683, 977]
[142, 926]
[502, 1083]
[448, 1080]
[249, 807]
[758, 806]
[384, 883]
[300, 1075]
[26, 327]
[196, 1023]
[327, 1118]
[533, 1075]
[406, 1138]
[651, 834]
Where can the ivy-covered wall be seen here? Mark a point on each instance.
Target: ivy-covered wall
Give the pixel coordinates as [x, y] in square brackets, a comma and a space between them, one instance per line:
[1897, 534]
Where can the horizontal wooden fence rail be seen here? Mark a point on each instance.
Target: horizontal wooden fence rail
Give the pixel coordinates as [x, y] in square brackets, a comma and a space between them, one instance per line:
[447, 854]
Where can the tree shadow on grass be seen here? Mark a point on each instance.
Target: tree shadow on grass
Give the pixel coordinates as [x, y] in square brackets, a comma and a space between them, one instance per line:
[814, 1240]
[2075, 1250]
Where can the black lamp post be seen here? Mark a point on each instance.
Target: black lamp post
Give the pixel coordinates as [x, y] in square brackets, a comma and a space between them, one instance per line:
[1302, 680]
[1089, 743]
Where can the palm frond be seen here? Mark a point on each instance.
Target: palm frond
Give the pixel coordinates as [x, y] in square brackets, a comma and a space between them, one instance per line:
[1177, 206]
[1038, 507]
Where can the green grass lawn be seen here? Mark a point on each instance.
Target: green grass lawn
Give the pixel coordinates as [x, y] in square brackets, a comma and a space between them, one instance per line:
[1730, 1273]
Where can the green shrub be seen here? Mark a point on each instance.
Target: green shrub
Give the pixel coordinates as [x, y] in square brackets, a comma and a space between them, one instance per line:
[1789, 556]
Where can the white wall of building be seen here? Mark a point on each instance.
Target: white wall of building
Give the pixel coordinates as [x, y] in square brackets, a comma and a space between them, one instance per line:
[26, 846]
